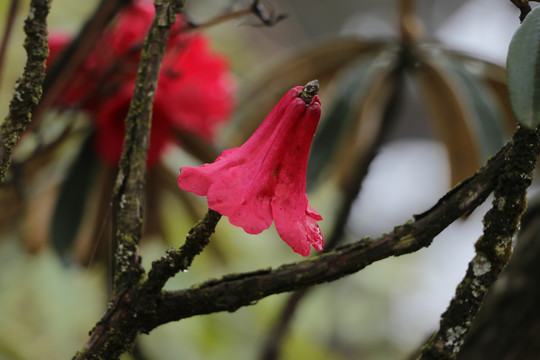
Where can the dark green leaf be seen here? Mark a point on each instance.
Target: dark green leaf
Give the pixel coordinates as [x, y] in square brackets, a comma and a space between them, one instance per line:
[72, 199]
[523, 65]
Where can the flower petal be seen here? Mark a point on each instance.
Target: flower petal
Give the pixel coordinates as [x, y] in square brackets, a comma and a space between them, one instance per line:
[240, 184]
[244, 193]
[294, 226]
[246, 205]
[198, 179]
[295, 220]
[312, 212]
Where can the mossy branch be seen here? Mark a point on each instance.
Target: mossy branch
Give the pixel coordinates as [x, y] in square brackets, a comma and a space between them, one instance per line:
[234, 291]
[506, 326]
[143, 307]
[176, 260]
[493, 249]
[115, 333]
[128, 194]
[28, 88]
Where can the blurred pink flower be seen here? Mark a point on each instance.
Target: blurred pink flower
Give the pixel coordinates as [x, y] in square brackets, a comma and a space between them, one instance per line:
[264, 180]
[195, 88]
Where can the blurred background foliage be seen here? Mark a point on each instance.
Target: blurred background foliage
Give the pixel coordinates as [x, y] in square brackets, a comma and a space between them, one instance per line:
[416, 95]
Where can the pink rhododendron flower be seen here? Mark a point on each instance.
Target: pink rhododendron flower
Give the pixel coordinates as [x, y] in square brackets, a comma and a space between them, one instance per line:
[264, 180]
[194, 94]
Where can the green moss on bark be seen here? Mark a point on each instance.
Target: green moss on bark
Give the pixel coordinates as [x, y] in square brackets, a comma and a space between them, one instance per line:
[493, 248]
[28, 89]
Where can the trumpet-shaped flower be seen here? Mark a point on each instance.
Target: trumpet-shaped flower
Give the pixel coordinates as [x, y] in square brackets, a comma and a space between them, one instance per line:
[264, 180]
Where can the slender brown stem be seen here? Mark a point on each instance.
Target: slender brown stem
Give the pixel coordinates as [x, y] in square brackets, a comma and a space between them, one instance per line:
[221, 18]
[256, 8]
[408, 22]
[7, 33]
[176, 260]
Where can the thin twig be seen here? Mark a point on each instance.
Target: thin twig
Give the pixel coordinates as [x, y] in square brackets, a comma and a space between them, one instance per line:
[257, 8]
[28, 89]
[220, 18]
[176, 260]
[7, 33]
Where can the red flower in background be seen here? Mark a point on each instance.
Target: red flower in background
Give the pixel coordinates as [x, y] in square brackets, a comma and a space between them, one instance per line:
[264, 180]
[194, 94]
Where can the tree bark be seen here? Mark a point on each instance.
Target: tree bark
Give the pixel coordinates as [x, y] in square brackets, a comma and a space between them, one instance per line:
[508, 323]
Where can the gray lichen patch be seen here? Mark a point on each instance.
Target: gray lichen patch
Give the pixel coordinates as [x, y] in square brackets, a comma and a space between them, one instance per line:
[481, 265]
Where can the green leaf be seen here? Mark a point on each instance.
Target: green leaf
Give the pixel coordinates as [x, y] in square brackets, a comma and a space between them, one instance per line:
[486, 117]
[523, 66]
[72, 199]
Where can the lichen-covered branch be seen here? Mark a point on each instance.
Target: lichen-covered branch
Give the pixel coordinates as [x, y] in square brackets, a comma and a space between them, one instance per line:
[128, 199]
[234, 291]
[142, 308]
[116, 331]
[176, 260]
[118, 328]
[507, 324]
[493, 249]
[28, 88]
